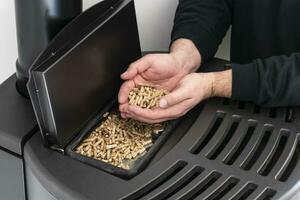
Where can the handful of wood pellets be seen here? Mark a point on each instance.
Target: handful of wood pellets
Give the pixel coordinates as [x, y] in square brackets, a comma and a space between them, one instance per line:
[146, 96]
[119, 141]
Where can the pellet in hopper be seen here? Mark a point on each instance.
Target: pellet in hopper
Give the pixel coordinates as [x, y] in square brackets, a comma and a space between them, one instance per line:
[118, 141]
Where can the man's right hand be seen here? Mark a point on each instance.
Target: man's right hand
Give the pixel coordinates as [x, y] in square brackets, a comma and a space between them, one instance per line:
[162, 70]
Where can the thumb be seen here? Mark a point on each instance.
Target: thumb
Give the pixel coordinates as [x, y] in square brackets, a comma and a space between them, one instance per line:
[173, 98]
[137, 67]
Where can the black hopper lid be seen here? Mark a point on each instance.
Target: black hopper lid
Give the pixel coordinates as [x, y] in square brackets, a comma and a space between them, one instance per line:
[79, 72]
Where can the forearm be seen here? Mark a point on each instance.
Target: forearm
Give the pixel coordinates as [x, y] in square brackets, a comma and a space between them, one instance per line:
[222, 84]
[217, 84]
[186, 54]
[272, 81]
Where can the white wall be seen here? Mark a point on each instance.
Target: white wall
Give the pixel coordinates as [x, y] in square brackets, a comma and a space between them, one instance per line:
[155, 20]
[8, 43]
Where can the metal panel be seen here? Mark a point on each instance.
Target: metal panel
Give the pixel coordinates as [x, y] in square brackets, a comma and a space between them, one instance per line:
[35, 191]
[11, 177]
[17, 120]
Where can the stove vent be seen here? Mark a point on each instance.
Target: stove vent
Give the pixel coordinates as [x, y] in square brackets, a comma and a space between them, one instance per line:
[158, 181]
[235, 151]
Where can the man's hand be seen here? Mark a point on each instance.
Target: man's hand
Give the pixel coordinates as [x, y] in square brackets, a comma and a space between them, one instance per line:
[191, 90]
[162, 70]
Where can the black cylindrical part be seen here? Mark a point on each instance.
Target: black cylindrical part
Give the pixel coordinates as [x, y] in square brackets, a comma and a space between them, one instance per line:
[38, 21]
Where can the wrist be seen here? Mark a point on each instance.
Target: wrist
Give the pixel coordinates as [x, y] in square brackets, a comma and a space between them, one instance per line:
[186, 55]
[221, 85]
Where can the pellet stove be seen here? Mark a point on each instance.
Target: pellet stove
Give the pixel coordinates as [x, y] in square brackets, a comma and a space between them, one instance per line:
[220, 150]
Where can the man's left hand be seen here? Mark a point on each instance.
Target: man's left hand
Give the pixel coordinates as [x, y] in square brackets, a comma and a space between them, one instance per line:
[191, 90]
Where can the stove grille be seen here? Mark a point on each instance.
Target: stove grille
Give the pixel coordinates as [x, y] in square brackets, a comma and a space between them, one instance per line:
[235, 151]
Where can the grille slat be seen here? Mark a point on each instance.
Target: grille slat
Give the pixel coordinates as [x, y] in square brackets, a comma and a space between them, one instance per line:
[210, 190]
[158, 181]
[225, 139]
[276, 172]
[209, 133]
[215, 140]
[249, 145]
[275, 154]
[259, 147]
[293, 161]
[267, 194]
[245, 192]
[218, 134]
[223, 189]
[268, 149]
[201, 186]
[182, 182]
[234, 190]
[245, 133]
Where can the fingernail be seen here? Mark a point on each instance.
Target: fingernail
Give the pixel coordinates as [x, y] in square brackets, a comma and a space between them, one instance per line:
[163, 103]
[124, 74]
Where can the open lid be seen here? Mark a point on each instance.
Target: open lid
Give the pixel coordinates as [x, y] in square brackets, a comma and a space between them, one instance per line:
[80, 70]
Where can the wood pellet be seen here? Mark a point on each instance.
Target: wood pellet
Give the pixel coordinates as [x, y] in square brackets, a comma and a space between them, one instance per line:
[119, 141]
[146, 96]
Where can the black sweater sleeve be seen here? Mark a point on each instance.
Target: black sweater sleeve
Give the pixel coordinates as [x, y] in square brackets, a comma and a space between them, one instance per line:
[273, 81]
[205, 22]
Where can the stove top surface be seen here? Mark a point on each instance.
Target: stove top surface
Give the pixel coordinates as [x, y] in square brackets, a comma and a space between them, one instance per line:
[234, 150]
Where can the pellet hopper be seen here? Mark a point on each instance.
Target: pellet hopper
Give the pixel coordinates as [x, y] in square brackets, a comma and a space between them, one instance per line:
[221, 149]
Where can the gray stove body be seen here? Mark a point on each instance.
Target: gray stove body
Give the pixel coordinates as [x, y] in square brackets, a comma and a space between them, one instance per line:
[221, 150]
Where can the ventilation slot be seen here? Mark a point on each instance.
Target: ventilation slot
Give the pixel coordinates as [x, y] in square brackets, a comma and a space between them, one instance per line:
[226, 101]
[289, 115]
[293, 162]
[202, 186]
[273, 113]
[259, 148]
[274, 157]
[157, 182]
[241, 105]
[245, 192]
[256, 109]
[224, 189]
[231, 158]
[267, 194]
[225, 140]
[180, 184]
[213, 127]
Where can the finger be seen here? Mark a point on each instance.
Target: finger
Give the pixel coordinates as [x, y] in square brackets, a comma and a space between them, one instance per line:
[123, 115]
[143, 113]
[137, 67]
[149, 121]
[175, 97]
[125, 89]
[171, 112]
[123, 108]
